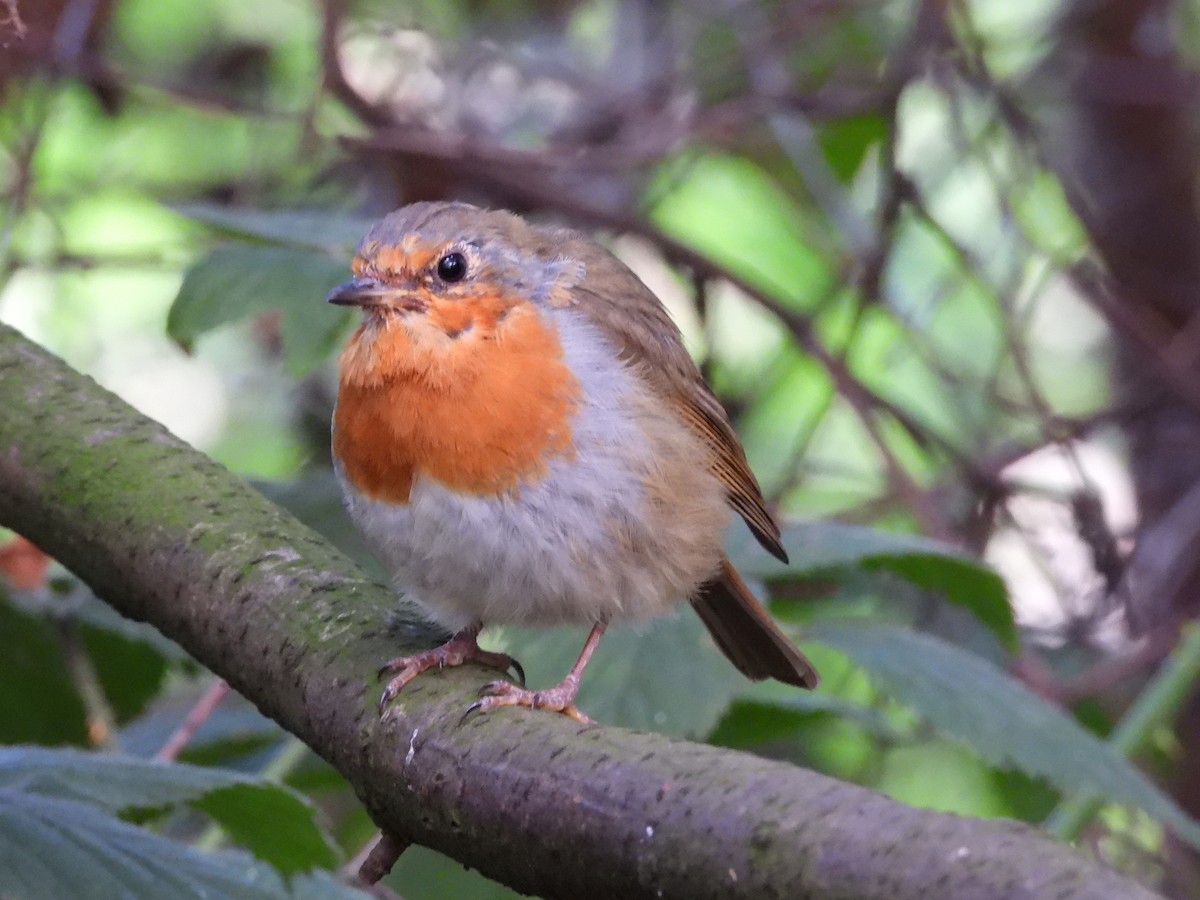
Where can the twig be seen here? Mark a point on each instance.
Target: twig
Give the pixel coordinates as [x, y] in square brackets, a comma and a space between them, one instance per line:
[376, 858]
[196, 717]
[100, 717]
[332, 12]
[12, 20]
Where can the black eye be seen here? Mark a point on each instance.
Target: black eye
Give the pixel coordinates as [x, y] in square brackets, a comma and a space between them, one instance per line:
[452, 267]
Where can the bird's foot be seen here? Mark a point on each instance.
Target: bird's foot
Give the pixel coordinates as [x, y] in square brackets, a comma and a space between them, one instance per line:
[560, 698]
[461, 648]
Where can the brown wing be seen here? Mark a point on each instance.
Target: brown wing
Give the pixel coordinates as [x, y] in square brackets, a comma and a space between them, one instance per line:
[630, 314]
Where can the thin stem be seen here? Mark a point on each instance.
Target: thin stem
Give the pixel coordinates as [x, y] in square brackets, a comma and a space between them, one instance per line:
[196, 717]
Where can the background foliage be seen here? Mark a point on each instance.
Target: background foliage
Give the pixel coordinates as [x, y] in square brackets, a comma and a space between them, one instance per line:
[938, 259]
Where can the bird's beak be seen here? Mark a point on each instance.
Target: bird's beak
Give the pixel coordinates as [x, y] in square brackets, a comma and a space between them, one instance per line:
[367, 292]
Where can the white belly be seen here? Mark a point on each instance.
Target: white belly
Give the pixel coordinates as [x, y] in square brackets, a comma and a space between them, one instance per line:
[626, 528]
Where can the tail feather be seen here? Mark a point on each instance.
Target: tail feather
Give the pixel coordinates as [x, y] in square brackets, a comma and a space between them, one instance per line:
[745, 632]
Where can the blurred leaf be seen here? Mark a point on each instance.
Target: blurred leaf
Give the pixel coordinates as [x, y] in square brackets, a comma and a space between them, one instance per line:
[824, 547]
[238, 282]
[131, 672]
[99, 616]
[847, 141]
[241, 803]
[870, 719]
[733, 212]
[972, 701]
[126, 655]
[325, 886]
[52, 847]
[335, 233]
[752, 720]
[278, 826]
[940, 774]
[665, 676]
[38, 703]
[424, 874]
[110, 780]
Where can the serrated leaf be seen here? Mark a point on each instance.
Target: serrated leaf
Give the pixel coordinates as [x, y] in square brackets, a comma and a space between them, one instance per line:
[824, 547]
[971, 700]
[110, 780]
[237, 282]
[238, 801]
[664, 676]
[54, 847]
[336, 233]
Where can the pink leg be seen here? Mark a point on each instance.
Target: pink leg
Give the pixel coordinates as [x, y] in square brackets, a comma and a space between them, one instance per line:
[461, 648]
[560, 698]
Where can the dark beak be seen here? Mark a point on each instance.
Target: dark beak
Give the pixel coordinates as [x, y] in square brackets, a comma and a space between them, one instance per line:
[357, 292]
[369, 292]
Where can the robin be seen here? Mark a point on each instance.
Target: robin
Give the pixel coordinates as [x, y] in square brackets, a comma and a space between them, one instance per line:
[522, 438]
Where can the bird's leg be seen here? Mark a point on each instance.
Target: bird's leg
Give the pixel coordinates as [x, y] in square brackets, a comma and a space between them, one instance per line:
[560, 698]
[461, 648]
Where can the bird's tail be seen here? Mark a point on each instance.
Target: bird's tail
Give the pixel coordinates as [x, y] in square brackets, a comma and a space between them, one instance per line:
[746, 633]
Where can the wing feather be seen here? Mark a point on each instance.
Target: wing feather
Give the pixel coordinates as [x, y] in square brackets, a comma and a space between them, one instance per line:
[631, 315]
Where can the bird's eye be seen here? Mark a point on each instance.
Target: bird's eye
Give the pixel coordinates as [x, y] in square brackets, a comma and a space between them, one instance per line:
[452, 267]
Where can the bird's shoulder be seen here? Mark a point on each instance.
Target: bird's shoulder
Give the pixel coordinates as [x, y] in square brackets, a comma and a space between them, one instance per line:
[628, 313]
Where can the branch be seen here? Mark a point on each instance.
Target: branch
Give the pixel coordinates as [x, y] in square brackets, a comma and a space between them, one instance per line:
[533, 800]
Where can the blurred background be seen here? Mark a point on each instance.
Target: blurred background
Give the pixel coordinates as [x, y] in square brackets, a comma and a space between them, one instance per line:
[940, 259]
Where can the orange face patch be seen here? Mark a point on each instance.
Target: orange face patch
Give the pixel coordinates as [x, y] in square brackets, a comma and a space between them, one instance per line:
[473, 394]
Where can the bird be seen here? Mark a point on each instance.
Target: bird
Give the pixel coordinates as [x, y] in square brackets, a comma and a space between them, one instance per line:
[522, 438]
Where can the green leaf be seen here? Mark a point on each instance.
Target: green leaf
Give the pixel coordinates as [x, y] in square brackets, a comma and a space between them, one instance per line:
[237, 282]
[109, 780]
[664, 676]
[816, 548]
[130, 672]
[241, 803]
[732, 211]
[972, 701]
[424, 874]
[335, 233]
[846, 142]
[52, 847]
[130, 658]
[325, 886]
[293, 843]
[37, 700]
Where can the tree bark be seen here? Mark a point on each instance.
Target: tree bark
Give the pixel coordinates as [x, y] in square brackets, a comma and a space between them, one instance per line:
[531, 799]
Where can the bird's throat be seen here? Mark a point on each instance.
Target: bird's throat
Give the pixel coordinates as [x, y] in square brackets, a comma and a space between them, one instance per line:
[482, 416]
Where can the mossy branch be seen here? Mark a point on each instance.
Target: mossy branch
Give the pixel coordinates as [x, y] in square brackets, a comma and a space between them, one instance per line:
[533, 800]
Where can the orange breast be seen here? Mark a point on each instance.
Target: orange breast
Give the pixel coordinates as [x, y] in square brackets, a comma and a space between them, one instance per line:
[478, 413]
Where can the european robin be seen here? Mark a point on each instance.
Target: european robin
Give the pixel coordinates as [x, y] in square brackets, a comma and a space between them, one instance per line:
[522, 438]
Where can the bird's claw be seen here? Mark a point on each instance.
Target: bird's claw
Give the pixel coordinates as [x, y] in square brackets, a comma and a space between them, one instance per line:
[459, 649]
[560, 698]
